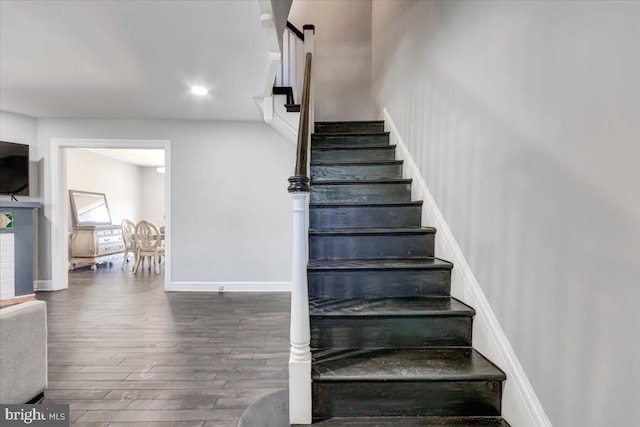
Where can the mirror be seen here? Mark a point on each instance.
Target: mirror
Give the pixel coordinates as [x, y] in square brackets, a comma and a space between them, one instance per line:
[89, 208]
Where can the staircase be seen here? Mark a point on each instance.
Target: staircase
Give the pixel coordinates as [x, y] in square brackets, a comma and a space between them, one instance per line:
[390, 346]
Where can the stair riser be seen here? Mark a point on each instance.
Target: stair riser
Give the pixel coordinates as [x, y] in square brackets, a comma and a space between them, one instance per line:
[353, 172]
[319, 140]
[371, 246]
[390, 332]
[347, 154]
[365, 217]
[378, 283]
[361, 192]
[403, 398]
[349, 127]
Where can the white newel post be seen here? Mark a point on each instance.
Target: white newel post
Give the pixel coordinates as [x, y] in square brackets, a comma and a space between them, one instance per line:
[300, 353]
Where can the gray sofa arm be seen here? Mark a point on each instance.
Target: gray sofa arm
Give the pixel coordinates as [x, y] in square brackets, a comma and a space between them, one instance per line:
[23, 351]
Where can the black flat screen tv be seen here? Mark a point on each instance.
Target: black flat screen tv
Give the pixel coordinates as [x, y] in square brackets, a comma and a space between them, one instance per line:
[14, 168]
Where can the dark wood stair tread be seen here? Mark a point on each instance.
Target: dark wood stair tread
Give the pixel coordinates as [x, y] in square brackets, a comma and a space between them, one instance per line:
[413, 422]
[360, 146]
[361, 181]
[371, 231]
[347, 134]
[364, 204]
[408, 306]
[348, 122]
[355, 162]
[284, 90]
[410, 263]
[429, 364]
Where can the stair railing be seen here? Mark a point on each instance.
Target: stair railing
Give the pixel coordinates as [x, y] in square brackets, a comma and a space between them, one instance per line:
[300, 333]
[291, 67]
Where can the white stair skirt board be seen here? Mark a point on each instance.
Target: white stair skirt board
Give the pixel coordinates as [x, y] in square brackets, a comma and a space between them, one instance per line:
[520, 405]
[230, 287]
[285, 123]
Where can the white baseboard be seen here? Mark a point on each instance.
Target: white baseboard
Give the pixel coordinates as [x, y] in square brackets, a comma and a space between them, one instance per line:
[43, 285]
[230, 286]
[520, 407]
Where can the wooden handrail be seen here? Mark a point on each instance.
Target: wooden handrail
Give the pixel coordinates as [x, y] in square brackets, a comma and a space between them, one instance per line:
[300, 179]
[295, 31]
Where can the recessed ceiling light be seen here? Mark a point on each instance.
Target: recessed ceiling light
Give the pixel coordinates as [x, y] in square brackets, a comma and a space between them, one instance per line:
[199, 90]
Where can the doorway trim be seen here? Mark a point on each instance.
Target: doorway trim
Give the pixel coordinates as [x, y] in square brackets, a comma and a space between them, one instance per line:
[59, 202]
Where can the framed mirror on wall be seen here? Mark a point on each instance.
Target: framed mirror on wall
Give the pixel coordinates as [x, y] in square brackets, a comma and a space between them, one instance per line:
[88, 208]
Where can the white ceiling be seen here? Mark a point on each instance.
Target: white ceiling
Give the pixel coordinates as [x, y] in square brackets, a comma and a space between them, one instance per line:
[132, 59]
[140, 157]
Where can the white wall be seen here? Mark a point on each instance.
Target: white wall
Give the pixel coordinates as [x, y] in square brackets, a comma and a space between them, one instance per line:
[342, 56]
[152, 196]
[23, 130]
[18, 128]
[122, 182]
[523, 118]
[231, 213]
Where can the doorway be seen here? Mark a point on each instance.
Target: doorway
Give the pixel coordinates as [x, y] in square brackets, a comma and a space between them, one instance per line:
[60, 212]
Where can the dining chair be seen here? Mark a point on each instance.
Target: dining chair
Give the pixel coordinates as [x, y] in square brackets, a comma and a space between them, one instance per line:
[128, 232]
[148, 244]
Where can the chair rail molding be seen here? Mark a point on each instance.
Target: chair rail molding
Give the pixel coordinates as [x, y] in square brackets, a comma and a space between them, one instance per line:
[521, 406]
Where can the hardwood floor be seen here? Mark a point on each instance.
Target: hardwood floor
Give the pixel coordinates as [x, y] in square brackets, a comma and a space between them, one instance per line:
[124, 352]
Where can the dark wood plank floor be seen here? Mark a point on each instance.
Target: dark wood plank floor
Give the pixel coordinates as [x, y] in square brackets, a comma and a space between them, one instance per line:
[124, 352]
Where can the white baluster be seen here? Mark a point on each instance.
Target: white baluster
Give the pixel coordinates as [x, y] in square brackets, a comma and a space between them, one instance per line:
[285, 60]
[291, 65]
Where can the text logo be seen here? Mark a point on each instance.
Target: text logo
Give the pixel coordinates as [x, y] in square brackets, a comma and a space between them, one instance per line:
[35, 415]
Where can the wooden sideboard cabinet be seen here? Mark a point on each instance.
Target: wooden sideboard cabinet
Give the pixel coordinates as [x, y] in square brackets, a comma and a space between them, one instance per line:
[95, 244]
